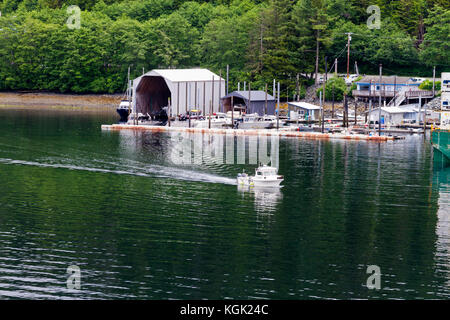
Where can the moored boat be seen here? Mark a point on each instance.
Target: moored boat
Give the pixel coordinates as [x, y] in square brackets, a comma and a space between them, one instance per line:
[124, 110]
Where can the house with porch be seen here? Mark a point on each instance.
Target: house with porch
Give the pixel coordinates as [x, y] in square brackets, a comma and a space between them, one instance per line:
[393, 89]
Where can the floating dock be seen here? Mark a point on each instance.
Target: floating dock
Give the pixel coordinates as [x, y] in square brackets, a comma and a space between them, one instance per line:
[252, 132]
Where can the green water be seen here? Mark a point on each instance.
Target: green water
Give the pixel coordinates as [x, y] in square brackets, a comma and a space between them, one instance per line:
[142, 227]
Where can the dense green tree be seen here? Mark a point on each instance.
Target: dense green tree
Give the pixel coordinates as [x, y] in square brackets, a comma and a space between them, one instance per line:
[436, 45]
[259, 39]
[173, 41]
[334, 86]
[311, 23]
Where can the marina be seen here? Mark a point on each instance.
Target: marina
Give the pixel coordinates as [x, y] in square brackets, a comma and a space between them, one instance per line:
[142, 226]
[215, 159]
[252, 132]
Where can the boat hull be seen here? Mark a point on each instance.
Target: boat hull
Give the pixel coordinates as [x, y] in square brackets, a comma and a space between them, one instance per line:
[252, 182]
[255, 125]
[123, 113]
[440, 139]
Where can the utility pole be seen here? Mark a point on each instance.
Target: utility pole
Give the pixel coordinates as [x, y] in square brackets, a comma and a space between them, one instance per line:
[265, 109]
[232, 112]
[349, 38]
[434, 79]
[220, 91]
[228, 71]
[420, 107]
[335, 66]
[425, 119]
[345, 117]
[332, 104]
[169, 111]
[278, 107]
[249, 107]
[274, 89]
[395, 87]
[211, 108]
[323, 99]
[321, 110]
[370, 102]
[379, 100]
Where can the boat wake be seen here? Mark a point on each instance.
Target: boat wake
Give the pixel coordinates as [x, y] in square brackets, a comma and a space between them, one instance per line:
[152, 171]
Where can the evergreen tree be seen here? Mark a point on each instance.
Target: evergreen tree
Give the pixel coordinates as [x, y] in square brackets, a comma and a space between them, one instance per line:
[436, 45]
[311, 22]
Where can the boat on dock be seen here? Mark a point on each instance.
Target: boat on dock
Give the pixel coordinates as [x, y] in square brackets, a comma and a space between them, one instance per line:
[265, 176]
[254, 121]
[218, 120]
[124, 108]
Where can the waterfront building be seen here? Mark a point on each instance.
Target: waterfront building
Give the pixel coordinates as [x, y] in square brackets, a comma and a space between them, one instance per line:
[253, 101]
[395, 90]
[187, 89]
[304, 111]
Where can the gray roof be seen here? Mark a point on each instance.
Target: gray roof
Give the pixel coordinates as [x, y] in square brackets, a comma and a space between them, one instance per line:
[255, 95]
[387, 80]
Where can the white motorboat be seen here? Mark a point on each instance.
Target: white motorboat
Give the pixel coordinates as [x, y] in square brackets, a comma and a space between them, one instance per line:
[218, 120]
[253, 121]
[265, 176]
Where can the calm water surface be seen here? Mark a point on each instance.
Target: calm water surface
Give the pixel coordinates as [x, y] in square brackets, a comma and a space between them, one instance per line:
[142, 227]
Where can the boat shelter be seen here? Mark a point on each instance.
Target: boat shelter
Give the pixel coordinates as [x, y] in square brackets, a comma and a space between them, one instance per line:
[188, 89]
[396, 115]
[306, 111]
[253, 101]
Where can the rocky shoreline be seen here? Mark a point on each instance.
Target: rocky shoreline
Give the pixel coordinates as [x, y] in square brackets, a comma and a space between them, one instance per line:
[59, 100]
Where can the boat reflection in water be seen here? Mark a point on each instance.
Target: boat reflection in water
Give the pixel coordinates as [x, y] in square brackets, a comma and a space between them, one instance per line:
[266, 199]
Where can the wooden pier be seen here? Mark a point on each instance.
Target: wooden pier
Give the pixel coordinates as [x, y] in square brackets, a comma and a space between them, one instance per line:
[252, 132]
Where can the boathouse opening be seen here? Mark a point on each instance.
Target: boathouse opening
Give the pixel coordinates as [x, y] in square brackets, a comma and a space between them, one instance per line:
[152, 94]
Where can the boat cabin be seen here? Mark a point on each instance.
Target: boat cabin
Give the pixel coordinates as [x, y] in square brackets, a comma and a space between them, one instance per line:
[265, 171]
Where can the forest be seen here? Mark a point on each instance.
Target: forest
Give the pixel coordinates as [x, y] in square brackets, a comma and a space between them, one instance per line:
[260, 40]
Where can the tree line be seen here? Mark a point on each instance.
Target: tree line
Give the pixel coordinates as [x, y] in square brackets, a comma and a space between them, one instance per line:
[259, 39]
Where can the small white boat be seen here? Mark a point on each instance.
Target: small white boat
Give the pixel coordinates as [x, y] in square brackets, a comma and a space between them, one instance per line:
[265, 176]
[253, 121]
[218, 120]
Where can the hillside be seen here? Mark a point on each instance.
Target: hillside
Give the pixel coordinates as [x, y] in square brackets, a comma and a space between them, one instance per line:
[260, 40]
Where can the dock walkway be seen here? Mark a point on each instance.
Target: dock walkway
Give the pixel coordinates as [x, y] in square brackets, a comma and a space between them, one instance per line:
[251, 132]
